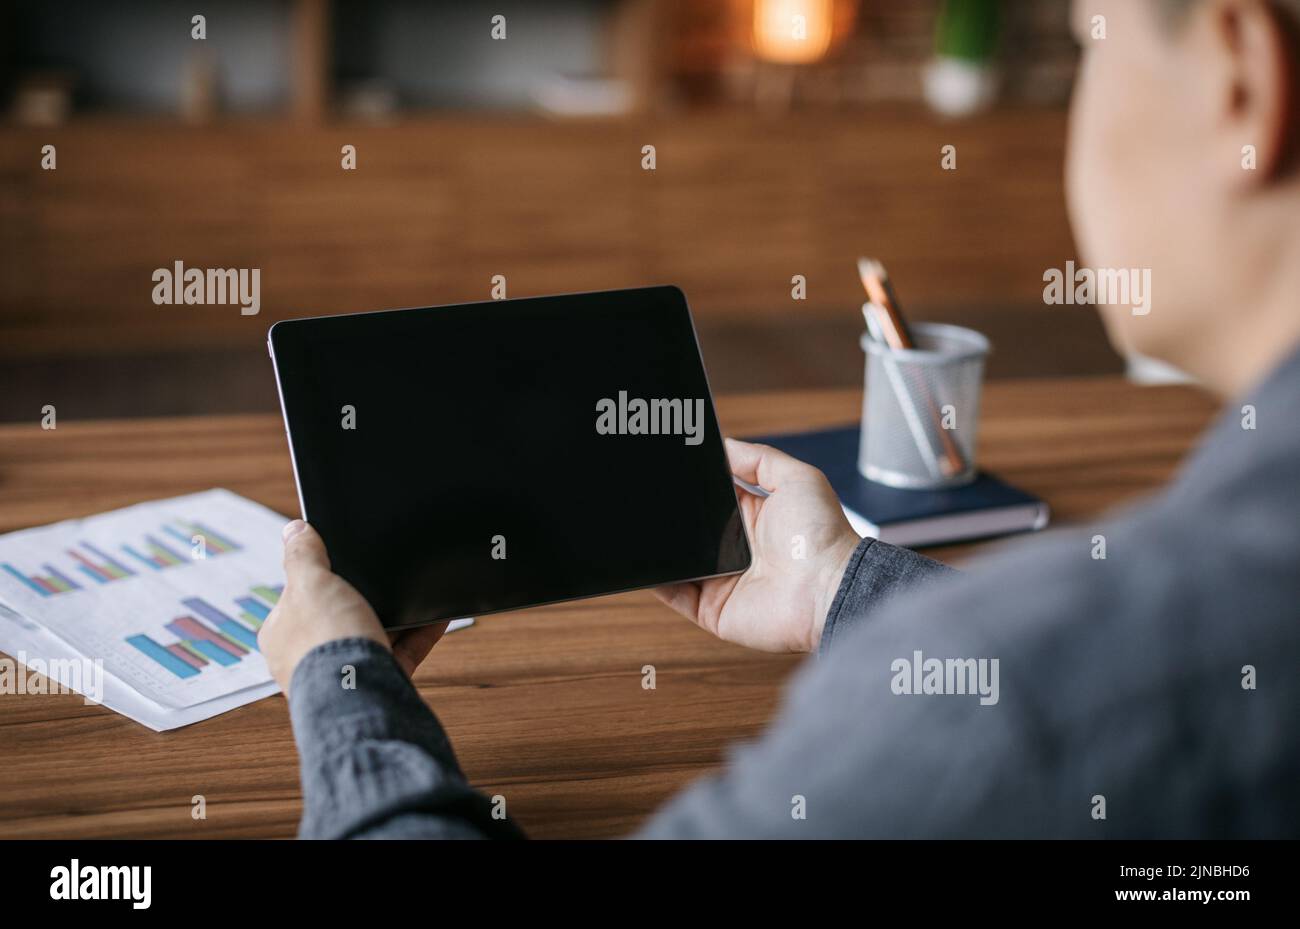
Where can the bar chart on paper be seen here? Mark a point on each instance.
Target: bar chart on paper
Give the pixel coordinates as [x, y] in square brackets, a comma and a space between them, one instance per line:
[207, 636]
[174, 543]
[169, 594]
[194, 539]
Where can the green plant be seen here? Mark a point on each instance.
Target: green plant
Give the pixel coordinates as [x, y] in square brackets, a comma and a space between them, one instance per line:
[967, 29]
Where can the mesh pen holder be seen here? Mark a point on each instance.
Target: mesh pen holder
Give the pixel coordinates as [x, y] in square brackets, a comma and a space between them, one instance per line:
[921, 408]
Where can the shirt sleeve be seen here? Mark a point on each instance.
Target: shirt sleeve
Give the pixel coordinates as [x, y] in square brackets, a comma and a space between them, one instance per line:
[375, 761]
[876, 572]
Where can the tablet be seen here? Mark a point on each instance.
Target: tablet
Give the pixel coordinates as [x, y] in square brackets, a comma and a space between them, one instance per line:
[465, 460]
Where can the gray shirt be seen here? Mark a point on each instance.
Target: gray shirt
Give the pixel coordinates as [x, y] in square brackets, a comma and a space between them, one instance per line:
[1152, 692]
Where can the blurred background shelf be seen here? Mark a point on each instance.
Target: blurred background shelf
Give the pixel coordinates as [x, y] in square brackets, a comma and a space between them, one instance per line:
[226, 153]
[321, 59]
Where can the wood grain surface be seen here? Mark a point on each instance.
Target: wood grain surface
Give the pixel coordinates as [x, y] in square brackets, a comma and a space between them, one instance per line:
[544, 706]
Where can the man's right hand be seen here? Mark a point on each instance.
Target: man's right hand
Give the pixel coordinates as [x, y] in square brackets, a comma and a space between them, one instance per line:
[801, 545]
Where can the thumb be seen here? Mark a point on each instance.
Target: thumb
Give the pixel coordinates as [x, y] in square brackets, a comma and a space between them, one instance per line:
[304, 550]
[765, 466]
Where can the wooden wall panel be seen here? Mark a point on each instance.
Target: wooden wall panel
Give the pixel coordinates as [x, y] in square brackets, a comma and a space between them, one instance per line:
[336, 241]
[734, 221]
[553, 208]
[738, 203]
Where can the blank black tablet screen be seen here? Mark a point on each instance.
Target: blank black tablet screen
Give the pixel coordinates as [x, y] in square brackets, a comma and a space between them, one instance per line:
[469, 459]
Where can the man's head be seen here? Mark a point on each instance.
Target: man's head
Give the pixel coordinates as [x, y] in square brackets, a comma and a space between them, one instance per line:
[1184, 159]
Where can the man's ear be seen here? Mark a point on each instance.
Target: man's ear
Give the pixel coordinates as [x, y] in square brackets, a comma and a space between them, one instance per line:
[1260, 104]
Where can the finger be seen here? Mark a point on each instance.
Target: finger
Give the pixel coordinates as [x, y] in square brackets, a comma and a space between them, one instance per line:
[681, 598]
[264, 630]
[714, 597]
[413, 646]
[749, 507]
[763, 465]
[304, 550]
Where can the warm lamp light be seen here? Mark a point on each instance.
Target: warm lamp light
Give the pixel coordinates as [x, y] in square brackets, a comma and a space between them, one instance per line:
[792, 31]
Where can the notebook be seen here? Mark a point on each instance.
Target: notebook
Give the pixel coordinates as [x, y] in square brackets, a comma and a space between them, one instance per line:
[914, 518]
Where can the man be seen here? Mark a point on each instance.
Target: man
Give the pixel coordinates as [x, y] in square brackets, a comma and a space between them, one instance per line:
[1151, 693]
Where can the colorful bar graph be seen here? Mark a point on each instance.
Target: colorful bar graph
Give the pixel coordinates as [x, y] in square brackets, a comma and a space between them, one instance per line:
[151, 562]
[193, 631]
[185, 655]
[220, 640]
[111, 564]
[189, 647]
[162, 656]
[211, 537]
[213, 541]
[53, 583]
[157, 552]
[216, 653]
[270, 594]
[29, 581]
[255, 613]
[23, 578]
[92, 574]
[162, 551]
[225, 624]
[160, 556]
[255, 607]
[56, 574]
[96, 571]
[178, 535]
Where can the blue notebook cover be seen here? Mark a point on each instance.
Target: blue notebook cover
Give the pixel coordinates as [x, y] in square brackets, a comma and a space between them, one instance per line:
[985, 507]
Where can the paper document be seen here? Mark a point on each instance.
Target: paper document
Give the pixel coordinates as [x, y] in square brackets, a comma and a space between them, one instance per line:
[169, 594]
[152, 609]
[25, 640]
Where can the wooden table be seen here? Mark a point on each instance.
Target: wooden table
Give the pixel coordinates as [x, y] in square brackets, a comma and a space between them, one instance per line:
[544, 706]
